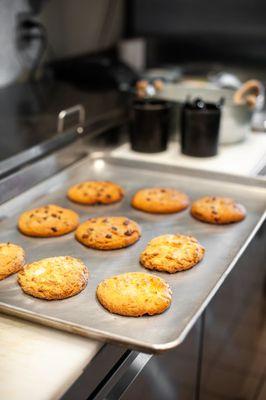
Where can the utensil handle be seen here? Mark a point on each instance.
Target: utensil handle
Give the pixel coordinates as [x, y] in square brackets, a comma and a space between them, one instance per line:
[251, 93]
[77, 109]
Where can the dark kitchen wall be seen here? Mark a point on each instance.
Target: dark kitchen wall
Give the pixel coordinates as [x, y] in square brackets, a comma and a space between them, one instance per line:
[174, 17]
[192, 30]
[73, 27]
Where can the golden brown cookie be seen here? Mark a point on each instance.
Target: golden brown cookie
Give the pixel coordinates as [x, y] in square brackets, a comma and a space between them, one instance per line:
[95, 192]
[54, 278]
[48, 221]
[172, 253]
[12, 259]
[160, 200]
[217, 210]
[108, 233]
[134, 294]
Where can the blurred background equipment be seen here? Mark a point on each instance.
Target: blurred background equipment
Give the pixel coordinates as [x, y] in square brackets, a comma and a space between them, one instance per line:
[200, 124]
[150, 125]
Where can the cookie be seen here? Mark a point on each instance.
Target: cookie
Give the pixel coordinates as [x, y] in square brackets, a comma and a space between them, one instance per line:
[108, 233]
[134, 294]
[172, 253]
[217, 210]
[160, 200]
[95, 192]
[48, 221]
[12, 259]
[54, 278]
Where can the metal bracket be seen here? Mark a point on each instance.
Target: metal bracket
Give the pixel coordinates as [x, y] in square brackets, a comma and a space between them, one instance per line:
[63, 114]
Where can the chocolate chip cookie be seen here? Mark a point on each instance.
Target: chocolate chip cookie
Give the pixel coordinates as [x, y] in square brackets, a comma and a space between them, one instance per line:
[160, 200]
[108, 233]
[217, 210]
[48, 221]
[95, 192]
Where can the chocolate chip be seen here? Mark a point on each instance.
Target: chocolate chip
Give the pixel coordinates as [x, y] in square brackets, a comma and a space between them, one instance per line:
[105, 220]
[126, 222]
[31, 215]
[108, 196]
[85, 236]
[60, 212]
[54, 215]
[108, 236]
[54, 229]
[214, 212]
[148, 199]
[163, 190]
[128, 233]
[90, 229]
[114, 228]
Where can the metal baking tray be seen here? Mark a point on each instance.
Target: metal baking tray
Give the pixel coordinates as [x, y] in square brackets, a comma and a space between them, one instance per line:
[192, 290]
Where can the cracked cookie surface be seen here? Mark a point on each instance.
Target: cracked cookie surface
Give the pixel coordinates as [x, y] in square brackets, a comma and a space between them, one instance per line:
[172, 253]
[134, 294]
[54, 278]
[12, 259]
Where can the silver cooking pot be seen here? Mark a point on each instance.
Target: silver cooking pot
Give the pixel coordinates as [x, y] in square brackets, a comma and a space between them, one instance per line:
[236, 111]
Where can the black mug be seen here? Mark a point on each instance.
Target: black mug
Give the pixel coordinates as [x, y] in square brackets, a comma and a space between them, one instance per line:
[200, 123]
[150, 125]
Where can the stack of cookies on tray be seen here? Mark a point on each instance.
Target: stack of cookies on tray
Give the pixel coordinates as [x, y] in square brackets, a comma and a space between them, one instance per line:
[135, 293]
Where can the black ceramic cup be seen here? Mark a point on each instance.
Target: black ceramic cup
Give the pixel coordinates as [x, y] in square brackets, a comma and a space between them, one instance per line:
[150, 125]
[200, 123]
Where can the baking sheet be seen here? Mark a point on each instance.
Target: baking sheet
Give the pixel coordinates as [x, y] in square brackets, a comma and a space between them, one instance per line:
[192, 290]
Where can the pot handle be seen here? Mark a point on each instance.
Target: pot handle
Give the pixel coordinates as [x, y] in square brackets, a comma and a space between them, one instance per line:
[251, 93]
